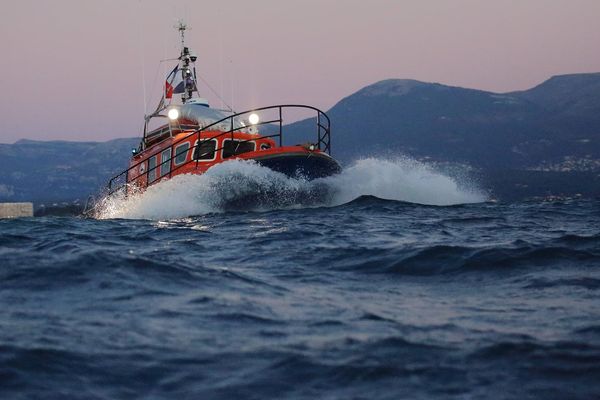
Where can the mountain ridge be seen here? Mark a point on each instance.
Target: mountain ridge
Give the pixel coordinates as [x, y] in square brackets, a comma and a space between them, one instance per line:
[548, 130]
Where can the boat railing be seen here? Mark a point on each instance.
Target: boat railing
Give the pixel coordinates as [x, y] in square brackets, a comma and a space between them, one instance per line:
[122, 181]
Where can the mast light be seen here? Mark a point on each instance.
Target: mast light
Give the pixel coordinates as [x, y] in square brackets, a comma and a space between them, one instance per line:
[253, 118]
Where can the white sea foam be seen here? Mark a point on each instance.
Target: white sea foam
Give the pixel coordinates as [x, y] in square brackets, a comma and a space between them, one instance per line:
[245, 184]
[403, 179]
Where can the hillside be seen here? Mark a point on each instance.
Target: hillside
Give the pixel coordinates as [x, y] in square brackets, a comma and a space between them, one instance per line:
[534, 129]
[59, 170]
[564, 96]
[534, 143]
[538, 142]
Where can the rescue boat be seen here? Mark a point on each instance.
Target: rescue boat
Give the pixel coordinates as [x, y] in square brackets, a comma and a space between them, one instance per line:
[190, 137]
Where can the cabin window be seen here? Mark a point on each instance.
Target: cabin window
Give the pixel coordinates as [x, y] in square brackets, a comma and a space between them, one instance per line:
[235, 147]
[181, 153]
[151, 169]
[205, 150]
[165, 162]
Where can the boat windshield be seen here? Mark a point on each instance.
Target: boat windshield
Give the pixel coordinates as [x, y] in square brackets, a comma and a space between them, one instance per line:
[205, 116]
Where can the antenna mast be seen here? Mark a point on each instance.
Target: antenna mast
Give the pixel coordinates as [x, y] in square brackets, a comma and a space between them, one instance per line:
[181, 27]
[186, 58]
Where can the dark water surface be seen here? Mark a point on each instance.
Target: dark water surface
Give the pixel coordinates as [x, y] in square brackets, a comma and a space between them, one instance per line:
[373, 299]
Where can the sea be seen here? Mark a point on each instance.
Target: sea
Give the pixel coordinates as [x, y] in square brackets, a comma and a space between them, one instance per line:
[392, 280]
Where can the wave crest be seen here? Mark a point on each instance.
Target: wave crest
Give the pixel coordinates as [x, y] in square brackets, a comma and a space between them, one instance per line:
[245, 185]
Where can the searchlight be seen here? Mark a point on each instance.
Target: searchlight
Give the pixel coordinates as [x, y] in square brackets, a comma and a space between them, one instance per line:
[253, 119]
[173, 114]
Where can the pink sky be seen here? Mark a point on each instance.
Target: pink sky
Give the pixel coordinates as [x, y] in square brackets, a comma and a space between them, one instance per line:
[73, 69]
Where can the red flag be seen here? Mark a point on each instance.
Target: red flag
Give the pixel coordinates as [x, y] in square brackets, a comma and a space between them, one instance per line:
[169, 83]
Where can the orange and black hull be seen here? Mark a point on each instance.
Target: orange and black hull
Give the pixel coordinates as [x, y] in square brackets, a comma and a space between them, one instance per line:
[300, 164]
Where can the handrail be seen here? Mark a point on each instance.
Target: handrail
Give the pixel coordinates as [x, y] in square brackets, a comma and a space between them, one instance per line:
[323, 143]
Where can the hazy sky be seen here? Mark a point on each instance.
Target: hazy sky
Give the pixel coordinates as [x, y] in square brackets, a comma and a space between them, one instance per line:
[77, 69]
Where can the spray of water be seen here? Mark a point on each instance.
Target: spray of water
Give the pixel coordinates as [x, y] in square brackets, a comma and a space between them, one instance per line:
[246, 185]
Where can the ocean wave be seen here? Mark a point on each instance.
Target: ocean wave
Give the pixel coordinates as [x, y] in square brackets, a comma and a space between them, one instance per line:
[448, 259]
[588, 330]
[580, 241]
[245, 185]
[94, 267]
[383, 368]
[568, 357]
[580, 282]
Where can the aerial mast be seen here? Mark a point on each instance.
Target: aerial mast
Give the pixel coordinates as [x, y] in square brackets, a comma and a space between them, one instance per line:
[188, 73]
[181, 27]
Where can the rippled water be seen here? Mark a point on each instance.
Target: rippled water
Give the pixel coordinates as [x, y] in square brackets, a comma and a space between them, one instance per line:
[367, 299]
